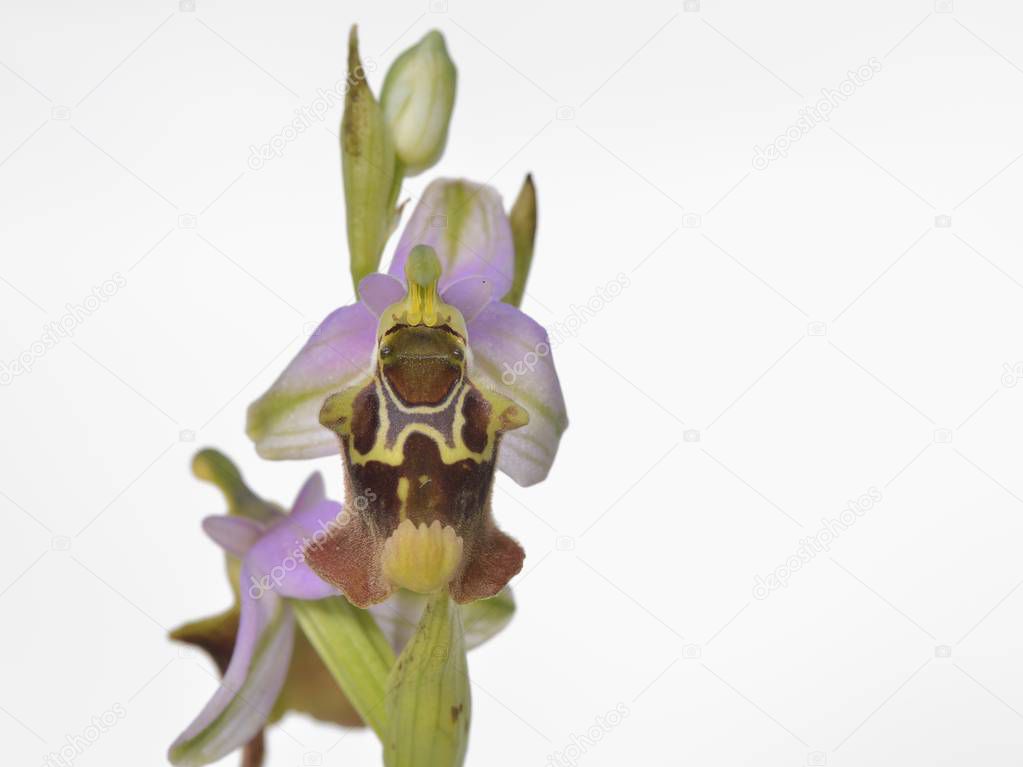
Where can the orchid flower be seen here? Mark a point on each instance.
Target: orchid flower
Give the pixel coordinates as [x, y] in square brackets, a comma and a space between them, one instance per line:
[466, 225]
[457, 258]
[273, 668]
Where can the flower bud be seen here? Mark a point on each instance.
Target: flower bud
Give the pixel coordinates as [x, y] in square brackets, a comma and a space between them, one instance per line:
[417, 99]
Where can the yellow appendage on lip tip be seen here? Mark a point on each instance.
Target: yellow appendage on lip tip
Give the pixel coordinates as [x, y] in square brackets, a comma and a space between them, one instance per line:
[421, 558]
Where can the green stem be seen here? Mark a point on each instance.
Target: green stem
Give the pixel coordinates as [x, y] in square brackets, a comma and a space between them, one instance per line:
[428, 701]
[354, 650]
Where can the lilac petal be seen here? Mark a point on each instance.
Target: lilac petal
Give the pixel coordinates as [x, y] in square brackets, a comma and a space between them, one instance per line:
[284, 422]
[469, 296]
[512, 355]
[277, 562]
[242, 704]
[467, 226]
[378, 291]
[312, 493]
[235, 535]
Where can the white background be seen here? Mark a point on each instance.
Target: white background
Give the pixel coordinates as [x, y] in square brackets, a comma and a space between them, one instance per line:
[900, 646]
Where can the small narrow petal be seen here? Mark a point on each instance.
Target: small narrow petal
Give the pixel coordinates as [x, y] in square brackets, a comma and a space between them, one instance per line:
[284, 422]
[378, 291]
[467, 226]
[235, 535]
[240, 707]
[469, 295]
[512, 355]
[312, 493]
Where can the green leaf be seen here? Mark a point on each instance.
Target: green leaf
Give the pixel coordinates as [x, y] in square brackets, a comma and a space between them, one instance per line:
[428, 702]
[371, 176]
[523, 225]
[354, 650]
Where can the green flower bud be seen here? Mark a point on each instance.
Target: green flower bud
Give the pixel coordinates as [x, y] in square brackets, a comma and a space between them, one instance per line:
[417, 99]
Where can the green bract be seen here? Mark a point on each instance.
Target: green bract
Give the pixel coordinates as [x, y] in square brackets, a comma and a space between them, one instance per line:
[371, 179]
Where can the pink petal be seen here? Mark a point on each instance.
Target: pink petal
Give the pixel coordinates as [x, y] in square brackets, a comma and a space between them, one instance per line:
[242, 704]
[284, 422]
[512, 355]
[378, 291]
[235, 535]
[311, 494]
[278, 561]
[467, 226]
[469, 296]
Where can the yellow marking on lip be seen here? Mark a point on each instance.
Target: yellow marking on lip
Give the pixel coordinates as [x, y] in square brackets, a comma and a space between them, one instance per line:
[403, 497]
[505, 415]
